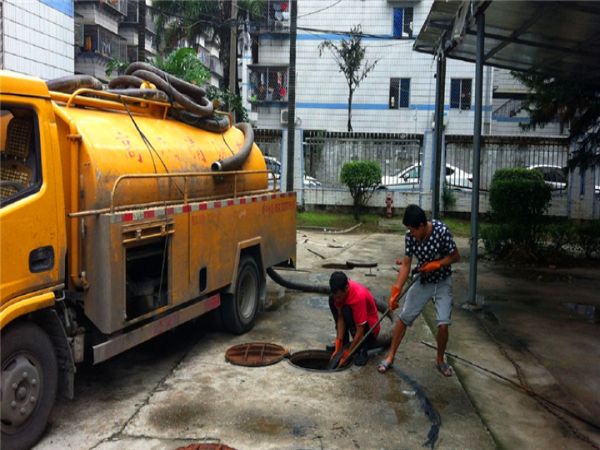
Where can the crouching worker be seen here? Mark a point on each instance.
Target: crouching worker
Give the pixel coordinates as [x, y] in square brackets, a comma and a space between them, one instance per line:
[354, 311]
[432, 243]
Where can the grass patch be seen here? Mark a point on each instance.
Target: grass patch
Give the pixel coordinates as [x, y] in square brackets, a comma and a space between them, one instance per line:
[371, 223]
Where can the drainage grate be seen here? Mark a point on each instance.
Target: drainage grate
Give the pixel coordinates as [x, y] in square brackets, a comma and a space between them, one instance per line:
[255, 354]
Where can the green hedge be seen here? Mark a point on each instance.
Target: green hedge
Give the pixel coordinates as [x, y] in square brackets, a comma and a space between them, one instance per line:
[518, 199]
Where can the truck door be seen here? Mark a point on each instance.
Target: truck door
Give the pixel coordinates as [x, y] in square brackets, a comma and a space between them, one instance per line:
[30, 206]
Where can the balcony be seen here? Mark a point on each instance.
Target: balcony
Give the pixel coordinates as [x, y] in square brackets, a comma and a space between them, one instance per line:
[99, 41]
[278, 16]
[268, 84]
[216, 66]
[118, 6]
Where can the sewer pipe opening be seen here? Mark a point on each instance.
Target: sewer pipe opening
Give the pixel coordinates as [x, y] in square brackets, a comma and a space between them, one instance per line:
[314, 361]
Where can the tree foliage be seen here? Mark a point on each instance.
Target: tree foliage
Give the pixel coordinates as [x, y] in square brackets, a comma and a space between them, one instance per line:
[349, 55]
[519, 198]
[361, 177]
[184, 63]
[181, 22]
[575, 103]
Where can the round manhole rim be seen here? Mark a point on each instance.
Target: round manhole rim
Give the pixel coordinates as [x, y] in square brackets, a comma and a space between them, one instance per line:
[324, 353]
[255, 354]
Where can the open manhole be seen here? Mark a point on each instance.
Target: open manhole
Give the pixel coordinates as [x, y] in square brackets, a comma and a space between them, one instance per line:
[255, 354]
[314, 360]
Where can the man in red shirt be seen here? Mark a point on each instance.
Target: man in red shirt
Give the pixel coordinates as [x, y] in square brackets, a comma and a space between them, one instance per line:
[354, 310]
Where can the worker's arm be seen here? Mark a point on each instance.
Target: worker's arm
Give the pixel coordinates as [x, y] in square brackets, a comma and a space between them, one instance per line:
[360, 333]
[397, 286]
[340, 326]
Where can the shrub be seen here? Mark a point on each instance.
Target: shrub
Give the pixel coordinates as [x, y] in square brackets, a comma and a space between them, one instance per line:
[361, 177]
[496, 238]
[519, 198]
[588, 238]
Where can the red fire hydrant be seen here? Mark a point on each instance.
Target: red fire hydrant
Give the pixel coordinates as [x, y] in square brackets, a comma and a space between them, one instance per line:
[389, 201]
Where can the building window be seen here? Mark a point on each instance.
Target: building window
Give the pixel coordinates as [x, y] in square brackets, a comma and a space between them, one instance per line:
[268, 84]
[403, 22]
[399, 93]
[460, 93]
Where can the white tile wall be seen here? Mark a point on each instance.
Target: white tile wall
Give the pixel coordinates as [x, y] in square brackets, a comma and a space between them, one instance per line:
[322, 91]
[38, 40]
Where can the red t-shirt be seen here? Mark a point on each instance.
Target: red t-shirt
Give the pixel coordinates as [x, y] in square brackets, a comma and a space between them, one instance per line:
[362, 304]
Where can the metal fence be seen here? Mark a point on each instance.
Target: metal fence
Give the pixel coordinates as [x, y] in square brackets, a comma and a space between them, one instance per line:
[326, 152]
[548, 155]
[269, 142]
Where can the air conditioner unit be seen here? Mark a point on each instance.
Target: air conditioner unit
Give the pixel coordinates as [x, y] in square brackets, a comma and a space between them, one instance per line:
[284, 118]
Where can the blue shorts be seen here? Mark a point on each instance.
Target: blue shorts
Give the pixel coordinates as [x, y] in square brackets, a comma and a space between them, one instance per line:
[418, 296]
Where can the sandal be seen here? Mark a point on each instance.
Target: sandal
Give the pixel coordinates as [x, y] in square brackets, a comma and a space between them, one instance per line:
[444, 368]
[384, 366]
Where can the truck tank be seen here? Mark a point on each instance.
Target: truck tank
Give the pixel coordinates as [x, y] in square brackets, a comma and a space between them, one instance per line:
[116, 143]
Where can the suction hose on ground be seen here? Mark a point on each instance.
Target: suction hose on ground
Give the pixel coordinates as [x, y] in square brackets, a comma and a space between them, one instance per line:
[296, 286]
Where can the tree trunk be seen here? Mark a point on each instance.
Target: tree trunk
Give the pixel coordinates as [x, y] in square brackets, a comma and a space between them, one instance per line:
[350, 110]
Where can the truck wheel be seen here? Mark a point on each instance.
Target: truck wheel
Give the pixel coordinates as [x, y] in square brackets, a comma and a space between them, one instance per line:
[29, 383]
[239, 309]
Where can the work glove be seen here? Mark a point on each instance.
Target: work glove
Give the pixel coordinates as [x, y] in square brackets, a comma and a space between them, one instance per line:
[338, 346]
[431, 266]
[344, 358]
[393, 301]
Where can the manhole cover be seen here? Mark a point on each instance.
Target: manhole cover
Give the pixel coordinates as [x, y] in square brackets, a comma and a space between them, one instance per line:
[314, 361]
[206, 447]
[255, 354]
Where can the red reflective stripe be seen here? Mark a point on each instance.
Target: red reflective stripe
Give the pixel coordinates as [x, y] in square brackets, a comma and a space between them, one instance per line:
[186, 208]
[127, 217]
[273, 196]
[149, 214]
[254, 199]
[242, 201]
[230, 202]
[203, 206]
[217, 204]
[170, 211]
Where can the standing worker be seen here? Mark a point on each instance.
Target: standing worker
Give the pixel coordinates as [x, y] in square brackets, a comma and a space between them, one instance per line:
[435, 249]
[354, 310]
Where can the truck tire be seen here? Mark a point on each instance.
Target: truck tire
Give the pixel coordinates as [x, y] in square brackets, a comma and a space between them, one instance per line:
[29, 384]
[238, 310]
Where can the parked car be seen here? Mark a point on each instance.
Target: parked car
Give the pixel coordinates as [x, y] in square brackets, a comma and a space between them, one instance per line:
[554, 176]
[274, 167]
[408, 178]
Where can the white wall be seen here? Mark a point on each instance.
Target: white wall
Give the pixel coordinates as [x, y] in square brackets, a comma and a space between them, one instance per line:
[38, 37]
[322, 91]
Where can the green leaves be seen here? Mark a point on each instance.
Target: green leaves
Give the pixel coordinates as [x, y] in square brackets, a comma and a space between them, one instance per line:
[349, 55]
[184, 64]
[361, 177]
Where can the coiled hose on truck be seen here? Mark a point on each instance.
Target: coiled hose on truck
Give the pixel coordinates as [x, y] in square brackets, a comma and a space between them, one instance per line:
[190, 103]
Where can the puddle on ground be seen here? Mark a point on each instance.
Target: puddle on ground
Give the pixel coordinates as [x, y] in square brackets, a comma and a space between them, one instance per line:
[590, 312]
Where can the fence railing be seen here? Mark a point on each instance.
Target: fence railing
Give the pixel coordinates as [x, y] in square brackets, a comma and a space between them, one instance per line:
[325, 153]
[548, 155]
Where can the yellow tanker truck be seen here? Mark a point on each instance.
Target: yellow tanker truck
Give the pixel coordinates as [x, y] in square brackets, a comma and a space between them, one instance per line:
[116, 227]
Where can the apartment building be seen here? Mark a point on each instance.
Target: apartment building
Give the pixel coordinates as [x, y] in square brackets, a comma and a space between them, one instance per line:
[397, 96]
[37, 37]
